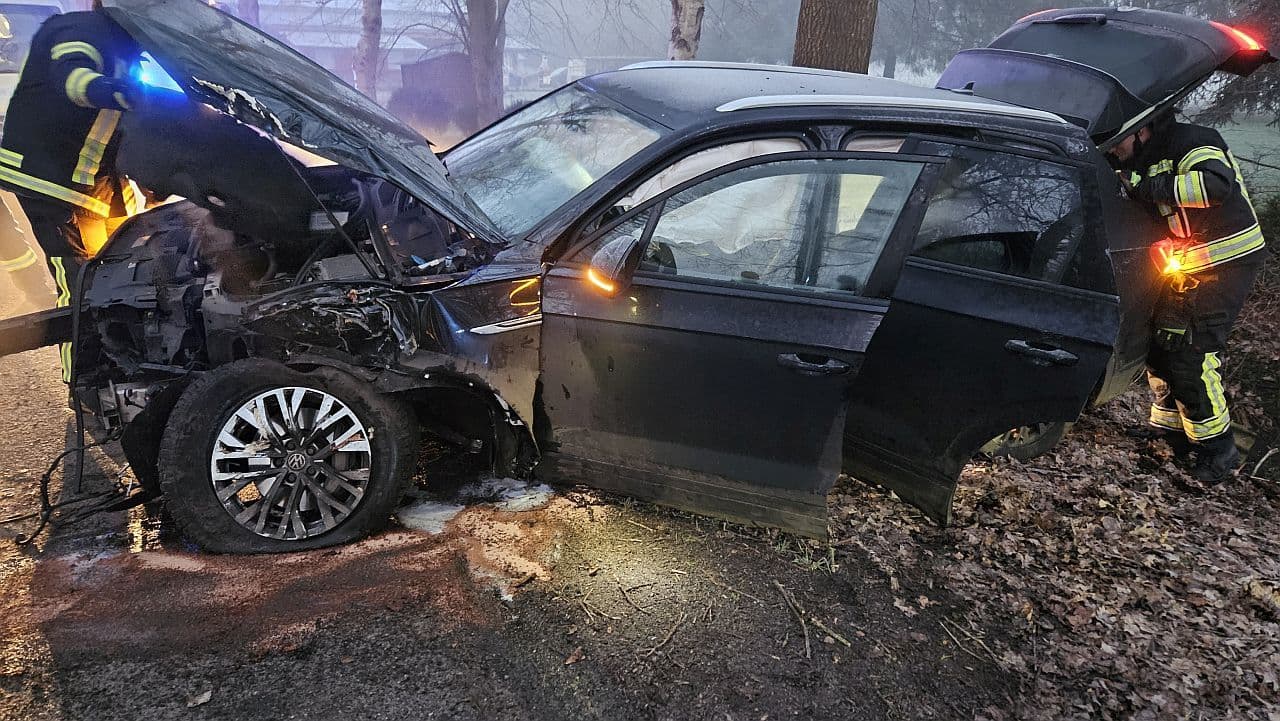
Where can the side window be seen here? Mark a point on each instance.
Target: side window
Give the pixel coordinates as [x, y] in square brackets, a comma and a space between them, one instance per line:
[869, 197]
[1005, 213]
[746, 226]
[801, 223]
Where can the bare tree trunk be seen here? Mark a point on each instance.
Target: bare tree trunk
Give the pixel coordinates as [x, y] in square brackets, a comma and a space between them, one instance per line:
[487, 42]
[248, 11]
[366, 63]
[835, 34]
[686, 28]
[890, 61]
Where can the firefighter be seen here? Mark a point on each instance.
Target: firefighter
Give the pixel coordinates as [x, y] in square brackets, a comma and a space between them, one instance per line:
[19, 260]
[1188, 178]
[57, 151]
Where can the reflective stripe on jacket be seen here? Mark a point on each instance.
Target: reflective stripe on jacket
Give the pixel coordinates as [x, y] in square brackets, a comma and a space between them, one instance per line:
[1199, 191]
[60, 124]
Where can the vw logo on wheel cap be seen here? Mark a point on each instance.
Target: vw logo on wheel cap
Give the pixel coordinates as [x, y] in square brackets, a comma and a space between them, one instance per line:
[295, 462]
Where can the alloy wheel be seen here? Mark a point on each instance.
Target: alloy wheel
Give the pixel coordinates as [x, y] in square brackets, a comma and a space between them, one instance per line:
[291, 463]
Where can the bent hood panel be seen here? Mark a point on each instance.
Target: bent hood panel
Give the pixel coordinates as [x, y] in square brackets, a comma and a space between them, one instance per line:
[235, 68]
[1102, 68]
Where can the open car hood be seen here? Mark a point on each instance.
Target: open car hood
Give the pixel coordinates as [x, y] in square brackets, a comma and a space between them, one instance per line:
[1105, 69]
[227, 64]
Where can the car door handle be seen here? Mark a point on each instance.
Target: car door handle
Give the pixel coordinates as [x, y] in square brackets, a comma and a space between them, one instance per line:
[1042, 354]
[826, 366]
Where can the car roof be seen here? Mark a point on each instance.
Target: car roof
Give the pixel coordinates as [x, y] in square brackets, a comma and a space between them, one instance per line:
[683, 93]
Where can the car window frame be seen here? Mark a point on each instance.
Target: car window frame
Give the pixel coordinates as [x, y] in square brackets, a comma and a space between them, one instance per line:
[880, 280]
[589, 222]
[1092, 223]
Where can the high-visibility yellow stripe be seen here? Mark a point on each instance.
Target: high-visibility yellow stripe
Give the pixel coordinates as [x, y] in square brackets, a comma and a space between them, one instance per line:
[60, 278]
[1213, 383]
[1204, 430]
[1188, 190]
[1165, 418]
[53, 190]
[95, 145]
[1198, 155]
[1220, 421]
[1177, 221]
[25, 260]
[64, 299]
[1240, 182]
[8, 157]
[78, 86]
[1164, 166]
[1206, 255]
[132, 198]
[70, 48]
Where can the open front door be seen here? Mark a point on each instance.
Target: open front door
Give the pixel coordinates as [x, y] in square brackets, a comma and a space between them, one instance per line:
[717, 382]
[994, 324]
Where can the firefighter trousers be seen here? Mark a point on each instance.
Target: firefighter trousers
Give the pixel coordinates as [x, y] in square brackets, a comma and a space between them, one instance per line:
[59, 230]
[18, 260]
[1186, 378]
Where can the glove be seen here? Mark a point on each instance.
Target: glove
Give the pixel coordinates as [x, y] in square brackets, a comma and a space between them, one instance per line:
[113, 93]
[1156, 189]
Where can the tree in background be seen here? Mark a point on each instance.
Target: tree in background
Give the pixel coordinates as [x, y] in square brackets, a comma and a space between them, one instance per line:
[483, 25]
[835, 34]
[247, 10]
[367, 47]
[1258, 94]
[686, 28]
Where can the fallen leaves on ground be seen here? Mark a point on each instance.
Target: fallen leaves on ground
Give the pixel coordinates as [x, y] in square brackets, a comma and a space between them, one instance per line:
[1109, 581]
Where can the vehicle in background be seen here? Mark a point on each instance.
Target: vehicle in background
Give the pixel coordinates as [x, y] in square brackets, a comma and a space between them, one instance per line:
[18, 22]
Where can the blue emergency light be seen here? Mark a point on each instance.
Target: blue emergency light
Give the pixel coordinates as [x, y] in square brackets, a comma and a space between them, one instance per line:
[148, 72]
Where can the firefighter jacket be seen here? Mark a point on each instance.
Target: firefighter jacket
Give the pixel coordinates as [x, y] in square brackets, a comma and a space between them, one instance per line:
[61, 121]
[1192, 180]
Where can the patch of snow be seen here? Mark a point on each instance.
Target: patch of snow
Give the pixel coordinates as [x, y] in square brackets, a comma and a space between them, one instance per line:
[82, 562]
[428, 515]
[170, 561]
[508, 494]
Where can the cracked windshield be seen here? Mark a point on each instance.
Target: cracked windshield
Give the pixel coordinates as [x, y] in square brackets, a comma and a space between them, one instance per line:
[527, 165]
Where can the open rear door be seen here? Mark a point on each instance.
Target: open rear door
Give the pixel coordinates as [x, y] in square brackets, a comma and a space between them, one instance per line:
[1105, 69]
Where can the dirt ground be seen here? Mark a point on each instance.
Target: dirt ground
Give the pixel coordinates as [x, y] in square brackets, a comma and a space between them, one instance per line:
[1095, 582]
[584, 607]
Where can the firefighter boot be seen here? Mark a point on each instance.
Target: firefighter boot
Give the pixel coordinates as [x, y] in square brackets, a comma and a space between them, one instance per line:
[1217, 459]
[1177, 440]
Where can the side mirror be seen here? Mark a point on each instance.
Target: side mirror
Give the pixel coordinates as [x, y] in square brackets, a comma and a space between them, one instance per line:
[614, 264]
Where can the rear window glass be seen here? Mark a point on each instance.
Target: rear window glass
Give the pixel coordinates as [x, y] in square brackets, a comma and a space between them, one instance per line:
[1134, 56]
[1007, 214]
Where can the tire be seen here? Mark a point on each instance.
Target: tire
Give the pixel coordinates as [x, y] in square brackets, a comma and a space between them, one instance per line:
[220, 462]
[1026, 442]
[141, 437]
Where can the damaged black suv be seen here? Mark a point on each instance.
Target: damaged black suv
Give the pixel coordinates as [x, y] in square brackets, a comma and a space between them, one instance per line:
[713, 286]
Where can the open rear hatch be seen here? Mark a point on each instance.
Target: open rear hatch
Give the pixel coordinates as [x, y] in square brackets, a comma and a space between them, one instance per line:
[1105, 69]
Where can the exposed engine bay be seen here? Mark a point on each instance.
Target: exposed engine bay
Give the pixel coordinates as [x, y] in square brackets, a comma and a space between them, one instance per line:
[186, 287]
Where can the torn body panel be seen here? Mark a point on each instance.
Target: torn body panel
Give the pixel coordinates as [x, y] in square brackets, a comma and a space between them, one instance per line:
[458, 335]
